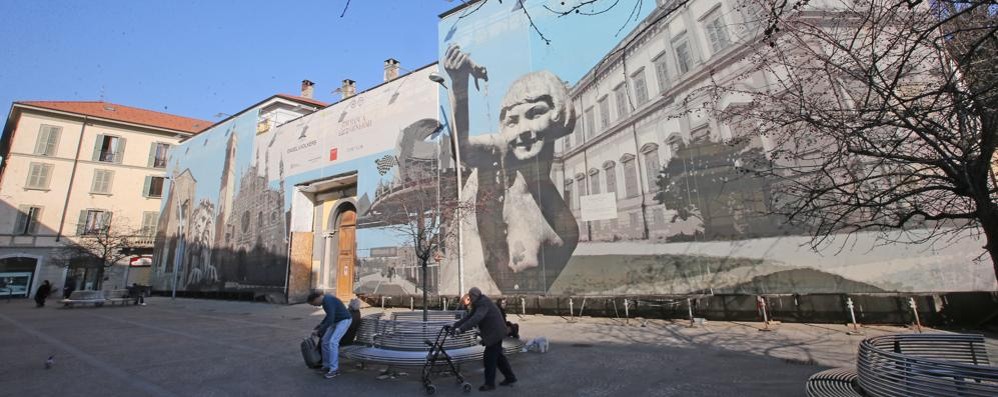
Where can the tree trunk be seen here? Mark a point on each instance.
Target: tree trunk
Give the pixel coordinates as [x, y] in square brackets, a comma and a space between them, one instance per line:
[422, 263]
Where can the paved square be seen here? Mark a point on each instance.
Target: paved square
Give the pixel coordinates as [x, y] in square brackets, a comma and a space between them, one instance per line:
[218, 348]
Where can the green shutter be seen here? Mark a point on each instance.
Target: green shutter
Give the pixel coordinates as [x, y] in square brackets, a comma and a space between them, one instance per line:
[22, 219]
[119, 154]
[43, 137]
[46, 176]
[148, 185]
[82, 223]
[53, 141]
[97, 143]
[152, 155]
[106, 221]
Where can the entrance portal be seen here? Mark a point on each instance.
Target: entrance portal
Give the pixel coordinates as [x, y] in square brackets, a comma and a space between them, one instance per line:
[346, 254]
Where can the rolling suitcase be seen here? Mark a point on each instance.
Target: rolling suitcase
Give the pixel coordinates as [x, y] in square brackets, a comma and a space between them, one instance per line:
[310, 351]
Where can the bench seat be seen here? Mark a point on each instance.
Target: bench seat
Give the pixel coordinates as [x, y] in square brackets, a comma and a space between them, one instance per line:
[95, 298]
[835, 382]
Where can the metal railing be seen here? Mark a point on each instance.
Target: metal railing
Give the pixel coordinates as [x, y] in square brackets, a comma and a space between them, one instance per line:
[924, 365]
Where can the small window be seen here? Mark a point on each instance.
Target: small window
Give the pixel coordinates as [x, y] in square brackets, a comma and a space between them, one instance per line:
[717, 32]
[157, 155]
[94, 222]
[661, 73]
[102, 182]
[590, 121]
[594, 181]
[48, 140]
[27, 220]
[149, 223]
[604, 112]
[611, 178]
[630, 178]
[684, 57]
[652, 169]
[640, 87]
[109, 149]
[153, 186]
[623, 105]
[39, 175]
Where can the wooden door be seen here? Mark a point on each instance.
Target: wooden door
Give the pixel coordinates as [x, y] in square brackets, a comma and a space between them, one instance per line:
[347, 231]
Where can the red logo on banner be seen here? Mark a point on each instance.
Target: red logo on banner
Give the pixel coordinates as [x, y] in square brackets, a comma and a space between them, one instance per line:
[332, 154]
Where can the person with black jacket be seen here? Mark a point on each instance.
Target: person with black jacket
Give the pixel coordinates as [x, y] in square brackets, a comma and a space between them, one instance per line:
[487, 317]
[43, 293]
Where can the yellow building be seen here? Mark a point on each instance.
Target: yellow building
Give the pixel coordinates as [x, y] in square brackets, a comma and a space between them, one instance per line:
[71, 168]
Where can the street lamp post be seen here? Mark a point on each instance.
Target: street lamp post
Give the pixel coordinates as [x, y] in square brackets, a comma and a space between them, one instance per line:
[460, 186]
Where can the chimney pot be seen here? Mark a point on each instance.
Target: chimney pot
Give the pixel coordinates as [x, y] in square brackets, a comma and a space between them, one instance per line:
[349, 88]
[391, 69]
[307, 89]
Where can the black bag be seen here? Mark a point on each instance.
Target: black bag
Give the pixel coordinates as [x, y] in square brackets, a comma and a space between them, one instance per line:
[311, 352]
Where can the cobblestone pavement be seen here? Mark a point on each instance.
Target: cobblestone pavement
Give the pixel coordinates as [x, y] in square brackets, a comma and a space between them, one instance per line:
[192, 347]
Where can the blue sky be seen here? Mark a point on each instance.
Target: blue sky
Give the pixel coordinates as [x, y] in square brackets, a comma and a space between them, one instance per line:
[198, 59]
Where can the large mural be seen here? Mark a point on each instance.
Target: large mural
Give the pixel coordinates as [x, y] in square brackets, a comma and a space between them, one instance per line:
[599, 179]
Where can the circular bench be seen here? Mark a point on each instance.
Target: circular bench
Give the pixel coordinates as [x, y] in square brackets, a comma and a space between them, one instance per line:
[400, 339]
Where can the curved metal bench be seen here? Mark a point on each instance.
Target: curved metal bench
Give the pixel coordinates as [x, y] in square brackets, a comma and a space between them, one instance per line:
[920, 365]
[399, 339]
[926, 365]
[95, 298]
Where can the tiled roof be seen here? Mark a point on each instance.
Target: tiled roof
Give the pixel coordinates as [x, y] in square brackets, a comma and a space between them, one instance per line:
[123, 113]
[303, 99]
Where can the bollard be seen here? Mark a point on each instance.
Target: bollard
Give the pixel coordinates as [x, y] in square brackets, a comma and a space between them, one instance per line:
[571, 311]
[761, 303]
[411, 307]
[583, 307]
[523, 306]
[689, 308]
[852, 314]
[382, 303]
[914, 309]
[627, 315]
[444, 300]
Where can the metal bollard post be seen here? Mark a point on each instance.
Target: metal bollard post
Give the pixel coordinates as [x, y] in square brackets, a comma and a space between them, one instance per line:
[571, 310]
[761, 302]
[852, 315]
[583, 307]
[689, 309]
[444, 303]
[914, 309]
[411, 307]
[523, 306]
[382, 303]
[627, 314]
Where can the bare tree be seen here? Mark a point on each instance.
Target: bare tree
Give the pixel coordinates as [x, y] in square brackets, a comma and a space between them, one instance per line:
[881, 115]
[101, 246]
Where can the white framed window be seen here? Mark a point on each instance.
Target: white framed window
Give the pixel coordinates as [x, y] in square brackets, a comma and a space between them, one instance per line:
[39, 175]
[157, 154]
[610, 175]
[102, 182]
[93, 221]
[620, 95]
[153, 186]
[149, 221]
[48, 140]
[640, 87]
[684, 56]
[630, 176]
[652, 165]
[661, 72]
[604, 112]
[27, 219]
[109, 148]
[716, 30]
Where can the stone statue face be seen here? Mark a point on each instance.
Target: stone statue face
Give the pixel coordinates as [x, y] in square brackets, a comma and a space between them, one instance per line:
[527, 127]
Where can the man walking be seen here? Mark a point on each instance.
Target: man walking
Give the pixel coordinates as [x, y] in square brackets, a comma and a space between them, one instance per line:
[485, 314]
[43, 293]
[332, 328]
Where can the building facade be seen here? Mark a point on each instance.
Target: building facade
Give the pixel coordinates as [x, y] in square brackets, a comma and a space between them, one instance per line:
[69, 170]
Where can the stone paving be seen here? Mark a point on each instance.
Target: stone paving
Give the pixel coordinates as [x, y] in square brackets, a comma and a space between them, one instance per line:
[189, 347]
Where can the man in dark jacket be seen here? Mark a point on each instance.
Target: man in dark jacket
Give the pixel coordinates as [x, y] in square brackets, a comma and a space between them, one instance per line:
[43, 293]
[334, 325]
[486, 316]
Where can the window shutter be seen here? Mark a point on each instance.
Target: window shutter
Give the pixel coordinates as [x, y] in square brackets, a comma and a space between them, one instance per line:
[82, 224]
[105, 223]
[22, 219]
[33, 170]
[152, 155]
[97, 143]
[43, 137]
[108, 177]
[33, 220]
[119, 153]
[147, 186]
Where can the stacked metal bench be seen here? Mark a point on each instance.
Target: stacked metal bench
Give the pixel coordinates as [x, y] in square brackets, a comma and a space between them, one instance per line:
[97, 298]
[398, 339]
[920, 365]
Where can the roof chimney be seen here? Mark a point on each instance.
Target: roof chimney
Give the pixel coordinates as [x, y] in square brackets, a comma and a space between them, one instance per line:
[306, 89]
[349, 88]
[391, 69]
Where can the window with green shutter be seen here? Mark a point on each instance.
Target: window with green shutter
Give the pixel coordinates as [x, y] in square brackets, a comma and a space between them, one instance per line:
[153, 186]
[93, 221]
[39, 175]
[157, 154]
[48, 140]
[102, 181]
[109, 149]
[27, 220]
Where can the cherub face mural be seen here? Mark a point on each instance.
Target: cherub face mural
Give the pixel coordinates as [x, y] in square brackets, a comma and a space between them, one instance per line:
[525, 229]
